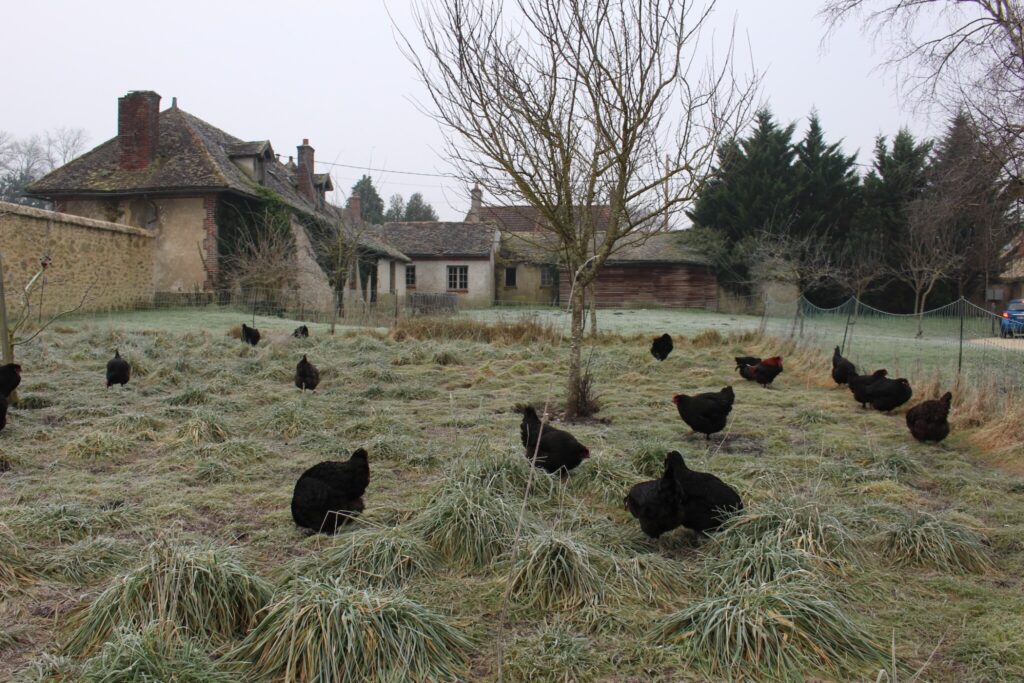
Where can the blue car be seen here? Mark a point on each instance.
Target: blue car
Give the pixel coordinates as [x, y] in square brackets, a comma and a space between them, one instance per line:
[1011, 324]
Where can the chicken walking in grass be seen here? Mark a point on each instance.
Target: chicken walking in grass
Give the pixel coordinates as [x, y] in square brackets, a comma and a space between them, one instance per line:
[744, 361]
[301, 332]
[10, 378]
[658, 504]
[764, 373]
[119, 371]
[307, 375]
[661, 346]
[842, 370]
[929, 420]
[887, 394]
[250, 335]
[707, 500]
[859, 385]
[330, 493]
[706, 413]
[558, 450]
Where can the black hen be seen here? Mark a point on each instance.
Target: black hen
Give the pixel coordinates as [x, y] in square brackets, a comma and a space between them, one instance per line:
[887, 394]
[928, 420]
[705, 413]
[765, 372]
[661, 347]
[658, 504]
[3, 412]
[119, 371]
[327, 495]
[307, 375]
[842, 370]
[744, 361]
[707, 500]
[559, 450]
[859, 385]
[250, 335]
[10, 378]
[301, 332]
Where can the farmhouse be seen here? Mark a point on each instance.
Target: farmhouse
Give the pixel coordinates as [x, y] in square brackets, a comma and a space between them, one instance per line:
[447, 257]
[191, 185]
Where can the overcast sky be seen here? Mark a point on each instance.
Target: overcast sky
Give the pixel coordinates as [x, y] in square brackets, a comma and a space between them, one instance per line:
[331, 71]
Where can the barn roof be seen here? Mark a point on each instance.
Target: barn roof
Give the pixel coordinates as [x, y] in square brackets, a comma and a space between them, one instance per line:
[440, 238]
[665, 247]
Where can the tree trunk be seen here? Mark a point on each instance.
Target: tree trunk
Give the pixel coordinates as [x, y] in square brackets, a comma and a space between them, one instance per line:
[593, 310]
[575, 352]
[7, 349]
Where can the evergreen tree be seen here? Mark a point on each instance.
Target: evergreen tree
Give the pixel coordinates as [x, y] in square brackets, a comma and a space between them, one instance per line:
[372, 206]
[419, 210]
[828, 185]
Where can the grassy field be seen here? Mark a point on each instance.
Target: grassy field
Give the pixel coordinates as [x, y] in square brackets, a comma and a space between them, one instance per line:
[147, 531]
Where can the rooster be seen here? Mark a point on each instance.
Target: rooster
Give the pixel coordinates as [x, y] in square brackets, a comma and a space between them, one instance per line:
[888, 394]
[307, 375]
[859, 385]
[330, 493]
[928, 420]
[661, 347]
[658, 504]
[250, 335]
[10, 378]
[743, 361]
[705, 413]
[119, 371]
[765, 372]
[559, 451]
[842, 370]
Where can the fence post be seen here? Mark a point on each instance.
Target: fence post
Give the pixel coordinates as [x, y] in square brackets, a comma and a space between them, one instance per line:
[960, 359]
[846, 330]
[5, 340]
[762, 328]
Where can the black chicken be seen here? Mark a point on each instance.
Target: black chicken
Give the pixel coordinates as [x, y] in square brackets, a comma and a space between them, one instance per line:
[250, 335]
[765, 372]
[661, 347]
[928, 420]
[859, 385]
[707, 500]
[10, 378]
[888, 394]
[329, 494]
[842, 370]
[705, 413]
[658, 504]
[301, 332]
[119, 371]
[559, 450]
[307, 375]
[743, 361]
[3, 412]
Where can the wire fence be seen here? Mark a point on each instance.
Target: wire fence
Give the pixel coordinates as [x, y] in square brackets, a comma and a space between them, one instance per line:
[957, 341]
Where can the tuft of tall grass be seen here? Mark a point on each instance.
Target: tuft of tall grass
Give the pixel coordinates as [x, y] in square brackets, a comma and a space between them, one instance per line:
[64, 522]
[556, 571]
[155, 652]
[290, 420]
[50, 668]
[922, 539]
[552, 654]
[88, 559]
[137, 425]
[203, 589]
[707, 339]
[505, 474]
[375, 558]
[467, 524]
[327, 631]
[14, 564]
[728, 565]
[607, 476]
[232, 451]
[650, 576]
[190, 396]
[33, 402]
[95, 446]
[649, 459]
[523, 331]
[202, 427]
[782, 630]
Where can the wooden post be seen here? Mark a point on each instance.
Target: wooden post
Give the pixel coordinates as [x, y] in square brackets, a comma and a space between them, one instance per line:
[5, 335]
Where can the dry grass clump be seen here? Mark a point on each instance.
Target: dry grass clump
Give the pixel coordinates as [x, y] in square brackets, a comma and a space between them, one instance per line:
[232, 451]
[33, 402]
[14, 564]
[99, 445]
[65, 522]
[467, 524]
[992, 644]
[50, 668]
[780, 630]
[201, 428]
[203, 589]
[88, 559]
[327, 631]
[729, 565]
[651, 576]
[505, 474]
[553, 654]
[556, 571]
[191, 396]
[138, 425]
[290, 420]
[155, 652]
[523, 331]
[707, 338]
[924, 540]
[606, 475]
[376, 558]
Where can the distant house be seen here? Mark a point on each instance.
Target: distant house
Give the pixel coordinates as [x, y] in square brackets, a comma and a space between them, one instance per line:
[446, 257]
[645, 270]
[185, 180]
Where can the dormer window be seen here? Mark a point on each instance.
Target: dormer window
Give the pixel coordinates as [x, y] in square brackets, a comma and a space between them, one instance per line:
[251, 158]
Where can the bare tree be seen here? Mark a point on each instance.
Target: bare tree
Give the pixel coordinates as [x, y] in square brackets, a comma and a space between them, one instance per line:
[261, 255]
[63, 145]
[570, 106]
[339, 250]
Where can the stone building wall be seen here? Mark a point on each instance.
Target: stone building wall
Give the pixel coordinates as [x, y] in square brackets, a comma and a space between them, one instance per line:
[110, 265]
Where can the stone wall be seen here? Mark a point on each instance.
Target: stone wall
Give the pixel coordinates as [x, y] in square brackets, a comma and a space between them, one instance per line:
[110, 265]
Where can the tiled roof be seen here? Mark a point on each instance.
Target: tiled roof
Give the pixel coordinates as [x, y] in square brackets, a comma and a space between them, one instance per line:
[434, 238]
[665, 247]
[528, 219]
[251, 149]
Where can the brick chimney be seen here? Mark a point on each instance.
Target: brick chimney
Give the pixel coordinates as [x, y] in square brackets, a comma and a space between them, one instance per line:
[304, 171]
[476, 201]
[354, 207]
[138, 128]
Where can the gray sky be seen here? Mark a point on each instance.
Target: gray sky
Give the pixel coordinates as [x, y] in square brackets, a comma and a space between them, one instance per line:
[331, 71]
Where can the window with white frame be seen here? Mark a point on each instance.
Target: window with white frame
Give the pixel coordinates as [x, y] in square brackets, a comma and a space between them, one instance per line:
[547, 277]
[458, 278]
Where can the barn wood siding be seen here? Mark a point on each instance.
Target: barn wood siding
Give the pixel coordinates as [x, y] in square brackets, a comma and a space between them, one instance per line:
[651, 284]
